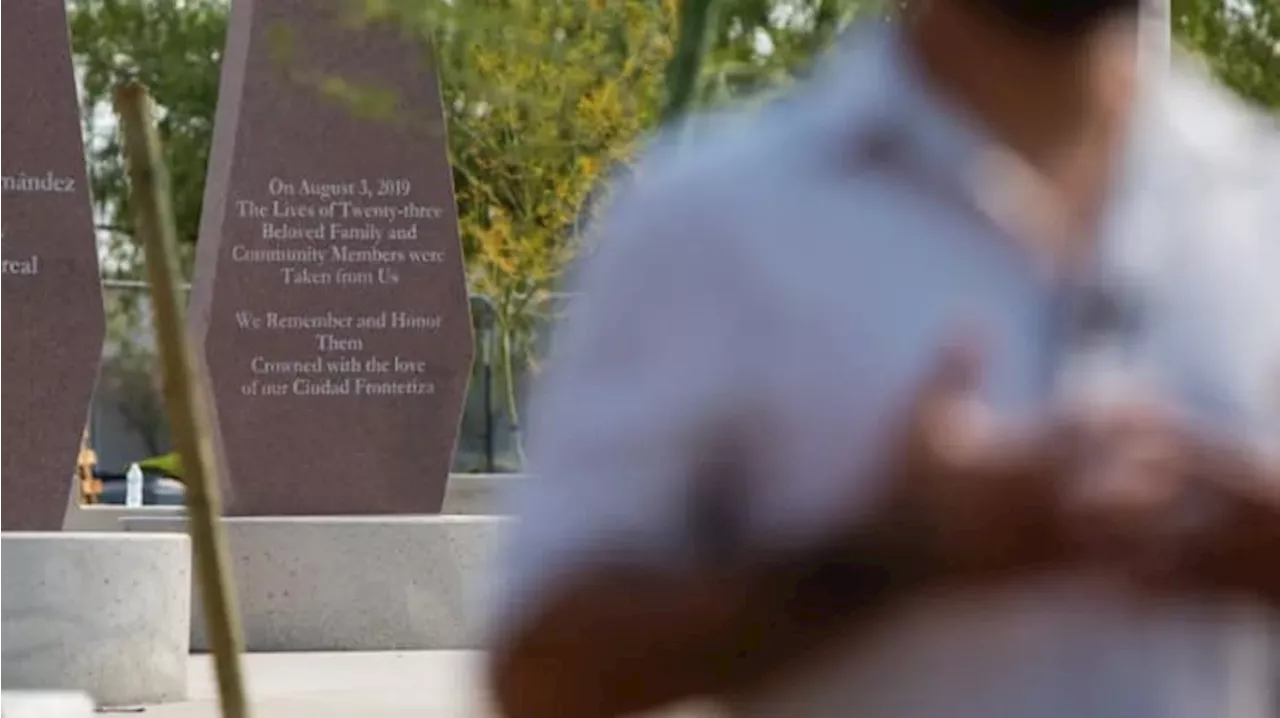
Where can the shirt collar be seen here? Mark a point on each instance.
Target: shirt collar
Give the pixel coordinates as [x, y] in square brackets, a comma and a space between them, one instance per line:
[872, 84]
[878, 93]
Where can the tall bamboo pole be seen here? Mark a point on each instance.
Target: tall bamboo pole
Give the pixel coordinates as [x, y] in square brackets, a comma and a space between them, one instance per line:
[184, 391]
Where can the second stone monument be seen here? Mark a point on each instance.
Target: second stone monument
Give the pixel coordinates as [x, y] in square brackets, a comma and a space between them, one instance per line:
[53, 322]
[330, 304]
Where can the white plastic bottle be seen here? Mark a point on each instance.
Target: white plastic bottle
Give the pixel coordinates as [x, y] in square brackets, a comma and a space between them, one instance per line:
[133, 486]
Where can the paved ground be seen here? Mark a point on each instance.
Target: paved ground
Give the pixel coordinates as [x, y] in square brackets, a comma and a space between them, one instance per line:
[428, 684]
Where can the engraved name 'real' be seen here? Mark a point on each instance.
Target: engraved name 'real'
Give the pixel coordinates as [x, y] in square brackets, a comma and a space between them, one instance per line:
[25, 267]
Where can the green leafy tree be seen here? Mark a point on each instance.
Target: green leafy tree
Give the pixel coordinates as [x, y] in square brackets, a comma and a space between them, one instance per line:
[1239, 40]
[175, 48]
[761, 45]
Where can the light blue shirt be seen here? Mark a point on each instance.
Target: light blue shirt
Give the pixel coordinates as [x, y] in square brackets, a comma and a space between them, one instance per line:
[760, 274]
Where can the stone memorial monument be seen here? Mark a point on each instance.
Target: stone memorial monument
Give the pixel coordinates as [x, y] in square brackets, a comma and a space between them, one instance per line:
[103, 614]
[330, 305]
[52, 294]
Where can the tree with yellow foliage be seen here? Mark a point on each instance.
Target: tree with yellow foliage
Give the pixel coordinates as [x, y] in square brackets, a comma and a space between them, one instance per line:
[543, 100]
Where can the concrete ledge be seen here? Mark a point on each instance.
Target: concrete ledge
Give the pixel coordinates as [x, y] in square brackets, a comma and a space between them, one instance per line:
[466, 495]
[103, 613]
[367, 583]
[45, 704]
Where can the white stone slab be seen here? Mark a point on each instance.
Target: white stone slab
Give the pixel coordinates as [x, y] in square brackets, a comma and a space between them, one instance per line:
[367, 583]
[103, 613]
[45, 704]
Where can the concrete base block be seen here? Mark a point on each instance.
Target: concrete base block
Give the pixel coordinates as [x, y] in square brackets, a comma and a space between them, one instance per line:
[359, 583]
[41, 704]
[103, 613]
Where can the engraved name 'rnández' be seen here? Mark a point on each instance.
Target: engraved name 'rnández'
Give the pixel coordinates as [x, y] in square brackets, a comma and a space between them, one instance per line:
[47, 183]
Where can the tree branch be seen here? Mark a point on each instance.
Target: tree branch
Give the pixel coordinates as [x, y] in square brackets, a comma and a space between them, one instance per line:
[118, 229]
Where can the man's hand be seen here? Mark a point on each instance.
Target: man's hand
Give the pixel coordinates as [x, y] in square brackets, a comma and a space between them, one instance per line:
[989, 498]
[1205, 516]
[984, 496]
[1240, 551]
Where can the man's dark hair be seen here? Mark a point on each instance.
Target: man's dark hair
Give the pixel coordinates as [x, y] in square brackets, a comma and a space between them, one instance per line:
[1058, 19]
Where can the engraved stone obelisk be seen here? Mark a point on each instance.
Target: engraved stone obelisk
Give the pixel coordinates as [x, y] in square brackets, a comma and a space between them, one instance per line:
[330, 303]
[52, 296]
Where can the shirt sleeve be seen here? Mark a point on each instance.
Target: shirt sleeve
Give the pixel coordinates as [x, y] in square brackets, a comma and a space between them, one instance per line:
[644, 371]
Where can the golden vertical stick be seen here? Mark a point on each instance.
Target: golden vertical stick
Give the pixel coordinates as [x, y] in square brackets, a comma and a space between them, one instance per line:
[184, 390]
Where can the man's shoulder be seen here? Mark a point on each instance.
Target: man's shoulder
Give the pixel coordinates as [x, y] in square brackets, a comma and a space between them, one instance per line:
[1213, 129]
[1211, 183]
[720, 183]
[721, 156]
[752, 154]
[1222, 165]
[768, 141]
[695, 187]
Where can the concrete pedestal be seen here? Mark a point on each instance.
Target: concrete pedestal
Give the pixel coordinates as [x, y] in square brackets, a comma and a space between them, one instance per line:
[103, 613]
[367, 583]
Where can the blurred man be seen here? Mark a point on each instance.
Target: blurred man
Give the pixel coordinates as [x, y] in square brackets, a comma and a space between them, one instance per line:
[945, 389]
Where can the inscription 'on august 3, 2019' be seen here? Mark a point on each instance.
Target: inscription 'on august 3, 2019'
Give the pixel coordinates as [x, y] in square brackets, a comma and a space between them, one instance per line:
[359, 235]
[23, 183]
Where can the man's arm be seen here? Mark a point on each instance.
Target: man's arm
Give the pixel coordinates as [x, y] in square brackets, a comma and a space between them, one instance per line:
[1240, 488]
[624, 639]
[669, 341]
[963, 505]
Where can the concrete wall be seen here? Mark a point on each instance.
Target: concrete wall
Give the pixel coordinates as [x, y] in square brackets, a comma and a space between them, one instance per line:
[376, 583]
